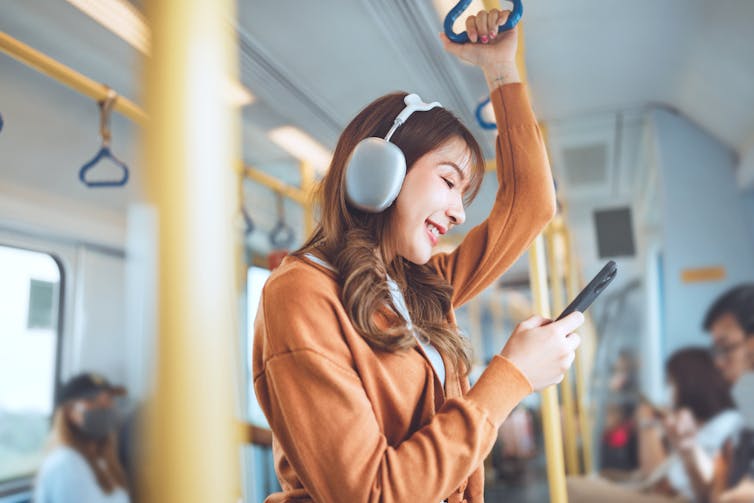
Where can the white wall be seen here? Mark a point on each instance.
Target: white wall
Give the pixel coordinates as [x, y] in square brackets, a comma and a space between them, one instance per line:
[748, 199]
[704, 224]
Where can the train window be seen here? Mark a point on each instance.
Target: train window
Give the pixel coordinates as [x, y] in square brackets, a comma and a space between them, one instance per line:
[255, 280]
[29, 301]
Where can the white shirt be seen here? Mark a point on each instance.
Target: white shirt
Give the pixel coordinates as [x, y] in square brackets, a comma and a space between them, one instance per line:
[66, 477]
[710, 438]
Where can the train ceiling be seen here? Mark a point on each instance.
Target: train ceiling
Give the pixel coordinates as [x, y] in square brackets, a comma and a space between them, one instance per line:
[315, 64]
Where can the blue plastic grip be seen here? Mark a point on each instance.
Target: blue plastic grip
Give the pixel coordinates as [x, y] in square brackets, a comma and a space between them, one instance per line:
[483, 123]
[282, 236]
[104, 153]
[462, 38]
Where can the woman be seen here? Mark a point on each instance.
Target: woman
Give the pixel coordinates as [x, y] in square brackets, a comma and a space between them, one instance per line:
[701, 419]
[358, 363]
[82, 464]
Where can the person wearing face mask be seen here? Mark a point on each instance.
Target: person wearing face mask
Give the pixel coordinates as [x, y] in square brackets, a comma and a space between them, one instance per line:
[81, 465]
[358, 363]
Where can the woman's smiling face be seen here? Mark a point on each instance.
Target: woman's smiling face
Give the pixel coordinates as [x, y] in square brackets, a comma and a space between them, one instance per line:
[430, 201]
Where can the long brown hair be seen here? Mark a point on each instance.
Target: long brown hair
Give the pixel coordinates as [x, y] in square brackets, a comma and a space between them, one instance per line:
[356, 243]
[699, 384]
[101, 455]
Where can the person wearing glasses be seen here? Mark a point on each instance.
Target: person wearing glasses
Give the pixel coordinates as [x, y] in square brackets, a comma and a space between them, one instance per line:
[730, 322]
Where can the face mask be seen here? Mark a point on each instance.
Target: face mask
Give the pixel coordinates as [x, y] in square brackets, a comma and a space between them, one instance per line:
[99, 422]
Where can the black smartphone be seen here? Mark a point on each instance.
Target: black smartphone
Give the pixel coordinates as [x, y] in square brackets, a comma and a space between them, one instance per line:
[591, 291]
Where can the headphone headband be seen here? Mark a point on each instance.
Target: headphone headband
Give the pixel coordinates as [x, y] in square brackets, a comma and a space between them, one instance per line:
[413, 104]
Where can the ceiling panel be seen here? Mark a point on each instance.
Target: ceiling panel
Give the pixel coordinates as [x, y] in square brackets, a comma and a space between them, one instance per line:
[315, 64]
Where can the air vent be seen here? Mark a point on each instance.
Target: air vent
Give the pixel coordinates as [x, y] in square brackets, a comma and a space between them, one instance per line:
[615, 235]
[586, 164]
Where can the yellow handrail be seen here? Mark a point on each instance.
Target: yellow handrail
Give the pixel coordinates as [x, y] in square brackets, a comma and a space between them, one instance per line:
[294, 193]
[98, 92]
[307, 187]
[71, 78]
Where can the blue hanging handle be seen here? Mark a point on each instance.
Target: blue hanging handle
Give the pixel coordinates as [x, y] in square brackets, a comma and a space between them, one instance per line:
[462, 38]
[248, 222]
[282, 235]
[483, 123]
[104, 152]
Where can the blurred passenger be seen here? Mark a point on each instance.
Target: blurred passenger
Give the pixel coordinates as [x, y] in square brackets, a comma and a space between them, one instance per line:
[623, 378]
[669, 456]
[618, 448]
[516, 445]
[702, 404]
[730, 322]
[82, 464]
[734, 468]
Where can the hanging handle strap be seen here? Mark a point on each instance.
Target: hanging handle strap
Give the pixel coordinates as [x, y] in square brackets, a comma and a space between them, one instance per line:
[463, 37]
[248, 222]
[282, 235]
[104, 153]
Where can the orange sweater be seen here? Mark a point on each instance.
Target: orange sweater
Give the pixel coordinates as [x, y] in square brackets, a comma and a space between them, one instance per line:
[351, 424]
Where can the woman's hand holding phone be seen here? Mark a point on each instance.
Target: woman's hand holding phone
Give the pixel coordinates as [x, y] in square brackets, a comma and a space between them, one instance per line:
[544, 350]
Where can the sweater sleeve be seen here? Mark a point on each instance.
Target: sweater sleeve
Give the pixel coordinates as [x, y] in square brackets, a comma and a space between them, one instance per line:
[325, 424]
[524, 203]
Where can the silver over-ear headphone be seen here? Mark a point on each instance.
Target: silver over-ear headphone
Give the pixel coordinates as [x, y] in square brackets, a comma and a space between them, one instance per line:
[376, 168]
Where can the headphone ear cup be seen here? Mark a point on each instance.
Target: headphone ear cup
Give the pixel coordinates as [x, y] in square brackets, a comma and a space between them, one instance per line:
[374, 174]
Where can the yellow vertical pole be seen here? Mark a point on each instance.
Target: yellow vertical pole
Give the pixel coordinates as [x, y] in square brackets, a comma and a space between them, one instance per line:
[550, 413]
[554, 245]
[191, 452]
[307, 187]
[538, 279]
[572, 285]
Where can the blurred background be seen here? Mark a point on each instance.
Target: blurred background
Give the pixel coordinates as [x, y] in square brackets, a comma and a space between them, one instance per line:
[648, 109]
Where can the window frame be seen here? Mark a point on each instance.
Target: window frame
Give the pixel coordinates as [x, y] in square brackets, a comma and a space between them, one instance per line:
[23, 484]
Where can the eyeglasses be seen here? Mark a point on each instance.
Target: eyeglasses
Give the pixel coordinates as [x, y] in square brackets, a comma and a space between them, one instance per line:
[724, 351]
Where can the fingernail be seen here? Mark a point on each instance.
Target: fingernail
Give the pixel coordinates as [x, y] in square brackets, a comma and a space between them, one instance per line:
[484, 39]
[493, 34]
